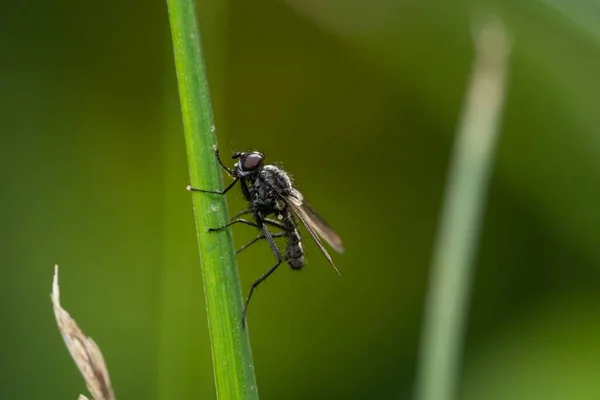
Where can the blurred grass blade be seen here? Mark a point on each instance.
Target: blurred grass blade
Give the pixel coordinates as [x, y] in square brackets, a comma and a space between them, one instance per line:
[232, 359]
[84, 351]
[452, 265]
[585, 14]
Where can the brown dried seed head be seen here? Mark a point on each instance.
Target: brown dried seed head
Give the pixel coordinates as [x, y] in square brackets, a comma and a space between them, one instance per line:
[83, 349]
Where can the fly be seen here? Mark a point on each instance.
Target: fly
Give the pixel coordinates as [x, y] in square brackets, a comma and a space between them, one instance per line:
[269, 191]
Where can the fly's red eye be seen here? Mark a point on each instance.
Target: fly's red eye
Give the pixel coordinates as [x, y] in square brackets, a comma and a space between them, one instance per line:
[251, 161]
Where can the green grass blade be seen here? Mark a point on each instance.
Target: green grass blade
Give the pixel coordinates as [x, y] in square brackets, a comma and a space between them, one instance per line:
[452, 264]
[232, 358]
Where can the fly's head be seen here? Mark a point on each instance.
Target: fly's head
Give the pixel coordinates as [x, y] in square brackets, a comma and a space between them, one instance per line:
[249, 163]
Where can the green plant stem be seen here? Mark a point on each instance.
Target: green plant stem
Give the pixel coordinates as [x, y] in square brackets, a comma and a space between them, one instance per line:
[452, 265]
[232, 358]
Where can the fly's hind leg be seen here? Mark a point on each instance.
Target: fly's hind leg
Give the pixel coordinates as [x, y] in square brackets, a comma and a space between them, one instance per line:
[277, 254]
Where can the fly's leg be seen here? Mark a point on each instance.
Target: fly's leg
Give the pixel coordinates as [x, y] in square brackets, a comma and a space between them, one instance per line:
[244, 212]
[277, 254]
[274, 223]
[230, 172]
[259, 237]
[235, 221]
[265, 220]
[232, 184]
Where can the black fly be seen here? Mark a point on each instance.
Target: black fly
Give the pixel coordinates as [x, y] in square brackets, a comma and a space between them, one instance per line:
[270, 191]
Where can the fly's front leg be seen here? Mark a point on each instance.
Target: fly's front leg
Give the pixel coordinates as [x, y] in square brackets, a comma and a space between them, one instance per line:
[216, 149]
[229, 171]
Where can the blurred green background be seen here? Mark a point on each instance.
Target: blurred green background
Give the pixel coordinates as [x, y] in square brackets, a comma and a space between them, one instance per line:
[359, 101]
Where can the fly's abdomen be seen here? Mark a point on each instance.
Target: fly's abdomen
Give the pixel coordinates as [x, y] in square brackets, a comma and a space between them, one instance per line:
[295, 253]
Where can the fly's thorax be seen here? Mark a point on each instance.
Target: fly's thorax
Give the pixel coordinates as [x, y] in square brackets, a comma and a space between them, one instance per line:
[277, 178]
[262, 196]
[268, 188]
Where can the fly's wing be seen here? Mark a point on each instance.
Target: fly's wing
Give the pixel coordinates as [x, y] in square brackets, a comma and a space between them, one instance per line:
[314, 225]
[310, 217]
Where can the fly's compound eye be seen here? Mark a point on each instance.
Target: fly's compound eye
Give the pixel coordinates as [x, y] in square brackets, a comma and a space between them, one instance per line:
[251, 161]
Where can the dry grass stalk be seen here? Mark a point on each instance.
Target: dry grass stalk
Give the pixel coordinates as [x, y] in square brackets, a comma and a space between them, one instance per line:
[83, 349]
